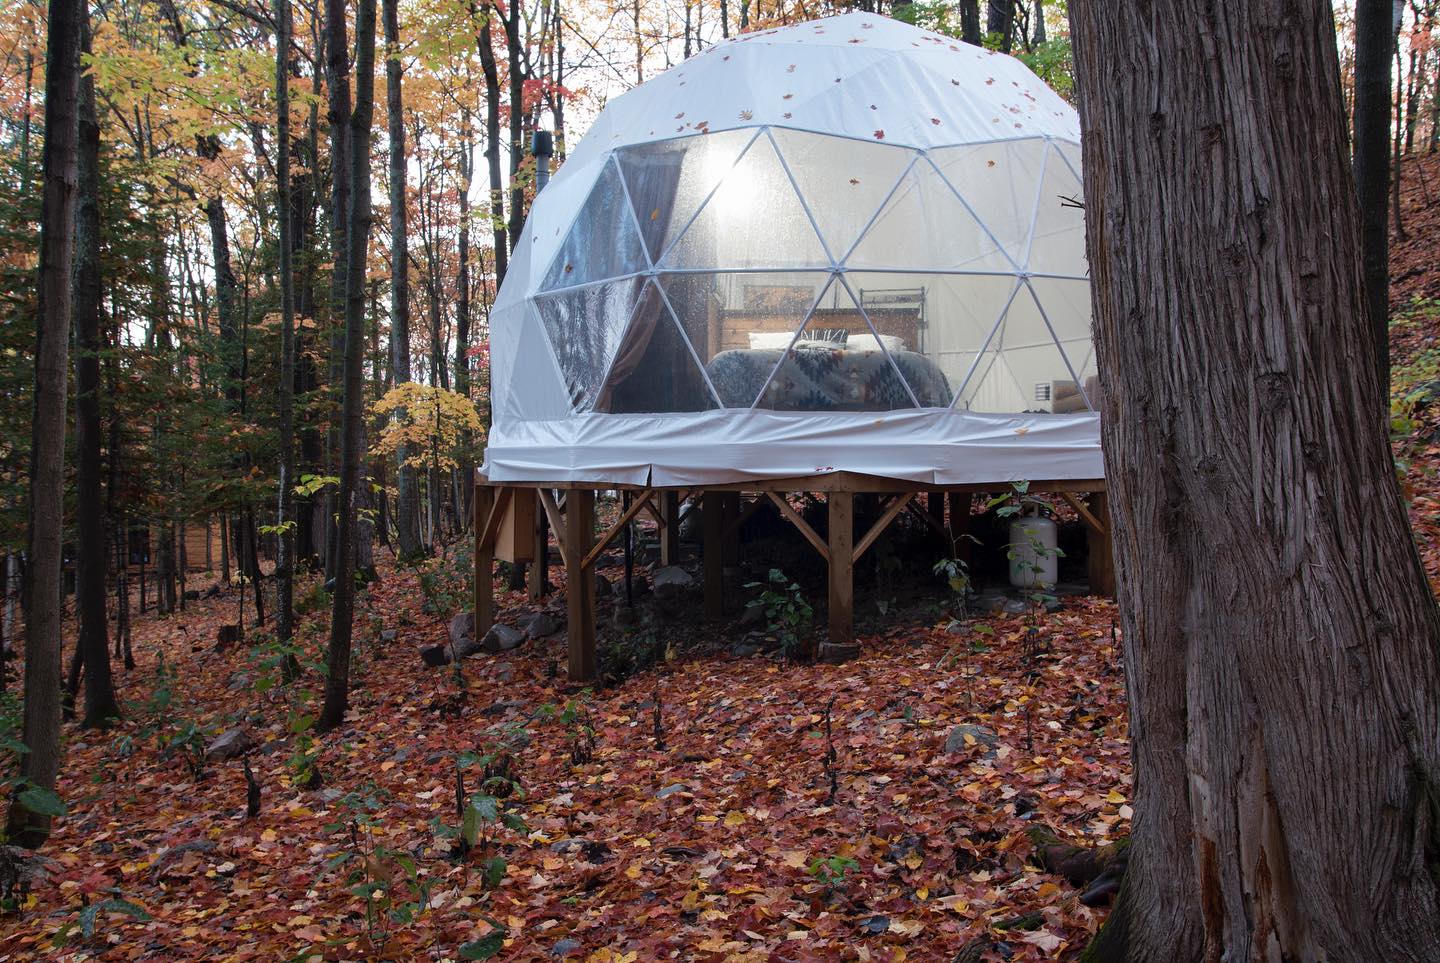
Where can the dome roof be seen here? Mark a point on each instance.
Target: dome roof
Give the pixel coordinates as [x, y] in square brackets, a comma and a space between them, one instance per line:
[856, 75]
[791, 230]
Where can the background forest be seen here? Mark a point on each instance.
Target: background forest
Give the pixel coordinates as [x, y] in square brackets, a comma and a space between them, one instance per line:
[297, 220]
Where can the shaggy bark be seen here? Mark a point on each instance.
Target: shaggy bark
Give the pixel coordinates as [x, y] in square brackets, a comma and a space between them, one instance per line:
[1280, 638]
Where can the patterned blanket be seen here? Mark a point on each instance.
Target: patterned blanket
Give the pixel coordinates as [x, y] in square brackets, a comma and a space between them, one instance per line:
[818, 378]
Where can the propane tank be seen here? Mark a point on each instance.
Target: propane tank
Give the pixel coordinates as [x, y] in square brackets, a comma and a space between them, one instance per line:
[1034, 547]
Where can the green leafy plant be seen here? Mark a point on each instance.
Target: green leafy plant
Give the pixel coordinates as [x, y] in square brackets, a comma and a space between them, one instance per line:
[445, 583]
[85, 924]
[786, 610]
[832, 871]
[487, 946]
[387, 881]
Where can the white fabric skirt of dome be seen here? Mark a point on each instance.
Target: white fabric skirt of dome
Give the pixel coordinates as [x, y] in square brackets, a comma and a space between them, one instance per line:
[847, 245]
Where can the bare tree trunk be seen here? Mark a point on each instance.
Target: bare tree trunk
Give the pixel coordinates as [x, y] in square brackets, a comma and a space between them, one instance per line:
[337, 680]
[44, 610]
[462, 315]
[101, 707]
[1000, 19]
[1374, 40]
[493, 135]
[285, 563]
[970, 22]
[1399, 145]
[1285, 703]
[337, 82]
[407, 507]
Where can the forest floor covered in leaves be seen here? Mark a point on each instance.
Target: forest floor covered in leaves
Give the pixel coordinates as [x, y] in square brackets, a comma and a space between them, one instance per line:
[693, 810]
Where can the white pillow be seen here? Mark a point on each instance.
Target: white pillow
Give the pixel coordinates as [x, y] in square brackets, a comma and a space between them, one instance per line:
[871, 342]
[770, 340]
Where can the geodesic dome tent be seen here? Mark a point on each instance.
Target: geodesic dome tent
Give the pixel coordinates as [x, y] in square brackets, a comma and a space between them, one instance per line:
[845, 245]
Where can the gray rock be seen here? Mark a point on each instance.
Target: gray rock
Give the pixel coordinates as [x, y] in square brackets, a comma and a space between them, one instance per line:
[540, 625]
[603, 588]
[387, 635]
[838, 653]
[1053, 606]
[462, 629]
[501, 638]
[991, 602]
[230, 744]
[672, 790]
[564, 948]
[504, 672]
[955, 740]
[744, 650]
[672, 580]
[753, 615]
[1016, 607]
[570, 844]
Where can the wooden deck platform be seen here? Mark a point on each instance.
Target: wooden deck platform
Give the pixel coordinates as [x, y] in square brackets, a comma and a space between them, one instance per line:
[512, 518]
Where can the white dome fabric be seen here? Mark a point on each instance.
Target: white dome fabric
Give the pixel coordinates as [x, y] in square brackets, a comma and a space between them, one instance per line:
[845, 245]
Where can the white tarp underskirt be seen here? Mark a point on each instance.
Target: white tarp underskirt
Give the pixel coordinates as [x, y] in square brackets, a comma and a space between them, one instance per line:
[931, 446]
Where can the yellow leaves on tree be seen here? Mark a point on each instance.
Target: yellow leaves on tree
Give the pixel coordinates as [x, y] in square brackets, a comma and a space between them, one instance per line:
[433, 425]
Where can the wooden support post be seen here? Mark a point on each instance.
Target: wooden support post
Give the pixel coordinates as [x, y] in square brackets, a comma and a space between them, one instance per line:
[670, 528]
[960, 524]
[712, 525]
[484, 561]
[842, 567]
[1102, 558]
[580, 584]
[535, 584]
[730, 530]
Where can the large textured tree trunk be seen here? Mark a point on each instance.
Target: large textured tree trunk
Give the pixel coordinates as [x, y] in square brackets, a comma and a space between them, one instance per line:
[1281, 642]
[93, 644]
[1374, 41]
[407, 507]
[337, 680]
[41, 715]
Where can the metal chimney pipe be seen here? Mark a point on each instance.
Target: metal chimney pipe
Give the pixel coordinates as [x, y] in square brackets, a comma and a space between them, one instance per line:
[542, 145]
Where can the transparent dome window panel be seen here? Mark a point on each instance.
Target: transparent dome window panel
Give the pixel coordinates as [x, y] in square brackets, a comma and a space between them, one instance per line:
[741, 323]
[923, 225]
[945, 318]
[603, 242]
[1057, 245]
[654, 370]
[838, 362]
[843, 182]
[585, 327]
[753, 220]
[668, 180]
[999, 182]
[534, 389]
